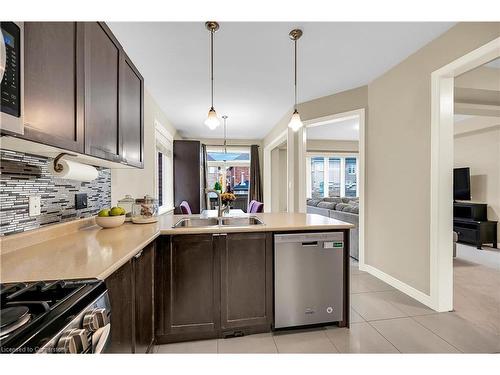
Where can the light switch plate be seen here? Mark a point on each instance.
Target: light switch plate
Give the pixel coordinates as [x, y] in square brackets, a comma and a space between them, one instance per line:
[34, 205]
[80, 201]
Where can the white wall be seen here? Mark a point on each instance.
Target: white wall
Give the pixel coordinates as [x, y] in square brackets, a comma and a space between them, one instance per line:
[398, 156]
[329, 105]
[480, 150]
[398, 149]
[138, 182]
[282, 175]
[278, 179]
[331, 145]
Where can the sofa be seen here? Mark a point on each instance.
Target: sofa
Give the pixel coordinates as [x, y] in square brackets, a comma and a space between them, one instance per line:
[340, 208]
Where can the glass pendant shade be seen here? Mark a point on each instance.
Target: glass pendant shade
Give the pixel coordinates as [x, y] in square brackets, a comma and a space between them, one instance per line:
[212, 120]
[295, 122]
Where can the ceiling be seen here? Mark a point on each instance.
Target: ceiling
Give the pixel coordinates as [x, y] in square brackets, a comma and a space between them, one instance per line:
[343, 130]
[254, 66]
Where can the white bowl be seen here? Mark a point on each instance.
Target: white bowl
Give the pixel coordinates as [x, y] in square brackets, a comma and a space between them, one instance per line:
[110, 221]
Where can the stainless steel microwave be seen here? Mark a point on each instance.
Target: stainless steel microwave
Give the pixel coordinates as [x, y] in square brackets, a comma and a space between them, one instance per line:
[12, 78]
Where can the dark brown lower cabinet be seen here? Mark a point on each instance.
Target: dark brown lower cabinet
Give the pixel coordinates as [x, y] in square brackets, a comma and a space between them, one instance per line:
[188, 288]
[131, 294]
[122, 298]
[144, 299]
[246, 283]
[213, 286]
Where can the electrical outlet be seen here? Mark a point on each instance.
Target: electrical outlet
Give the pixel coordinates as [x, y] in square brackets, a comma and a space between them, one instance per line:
[80, 201]
[34, 205]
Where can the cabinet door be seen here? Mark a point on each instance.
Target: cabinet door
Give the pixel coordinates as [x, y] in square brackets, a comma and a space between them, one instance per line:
[131, 113]
[144, 299]
[53, 84]
[122, 298]
[102, 56]
[246, 282]
[191, 288]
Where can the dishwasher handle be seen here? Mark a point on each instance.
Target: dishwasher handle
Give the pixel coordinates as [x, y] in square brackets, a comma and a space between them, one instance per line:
[310, 244]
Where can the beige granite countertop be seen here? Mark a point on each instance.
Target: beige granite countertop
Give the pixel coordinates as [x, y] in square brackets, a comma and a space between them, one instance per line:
[92, 252]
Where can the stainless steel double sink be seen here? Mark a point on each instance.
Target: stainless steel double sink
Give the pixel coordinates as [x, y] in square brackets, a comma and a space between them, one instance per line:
[193, 222]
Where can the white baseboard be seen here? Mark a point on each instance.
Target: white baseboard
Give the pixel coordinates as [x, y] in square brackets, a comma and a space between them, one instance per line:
[399, 285]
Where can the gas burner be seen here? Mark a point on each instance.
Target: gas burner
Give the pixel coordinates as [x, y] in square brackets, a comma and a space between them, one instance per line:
[11, 318]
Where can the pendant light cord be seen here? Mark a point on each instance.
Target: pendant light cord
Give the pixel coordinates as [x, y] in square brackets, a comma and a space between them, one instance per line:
[212, 64]
[295, 43]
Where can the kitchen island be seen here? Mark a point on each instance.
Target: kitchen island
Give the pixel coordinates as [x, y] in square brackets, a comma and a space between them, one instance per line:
[170, 284]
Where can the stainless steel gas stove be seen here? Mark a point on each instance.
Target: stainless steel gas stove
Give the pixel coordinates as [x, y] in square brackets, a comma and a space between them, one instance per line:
[54, 317]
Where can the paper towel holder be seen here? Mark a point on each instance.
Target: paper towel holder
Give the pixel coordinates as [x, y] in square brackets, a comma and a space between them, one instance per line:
[58, 167]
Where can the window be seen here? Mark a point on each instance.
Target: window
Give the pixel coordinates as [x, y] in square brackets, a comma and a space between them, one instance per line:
[334, 177]
[164, 169]
[317, 177]
[231, 170]
[160, 178]
[350, 177]
[338, 173]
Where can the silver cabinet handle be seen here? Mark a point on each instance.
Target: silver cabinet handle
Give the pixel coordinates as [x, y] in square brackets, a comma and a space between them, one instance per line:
[138, 255]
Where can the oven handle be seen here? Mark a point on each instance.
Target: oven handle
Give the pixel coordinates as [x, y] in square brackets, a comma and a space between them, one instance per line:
[100, 339]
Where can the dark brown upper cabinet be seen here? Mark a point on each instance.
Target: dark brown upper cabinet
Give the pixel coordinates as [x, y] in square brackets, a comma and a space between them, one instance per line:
[102, 62]
[131, 113]
[53, 84]
[82, 91]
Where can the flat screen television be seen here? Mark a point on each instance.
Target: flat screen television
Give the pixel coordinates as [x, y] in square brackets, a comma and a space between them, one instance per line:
[461, 184]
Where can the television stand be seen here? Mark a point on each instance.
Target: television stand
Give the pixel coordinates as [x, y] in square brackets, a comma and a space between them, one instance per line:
[472, 226]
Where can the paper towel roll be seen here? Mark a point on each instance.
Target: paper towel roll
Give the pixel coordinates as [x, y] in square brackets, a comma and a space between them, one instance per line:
[73, 170]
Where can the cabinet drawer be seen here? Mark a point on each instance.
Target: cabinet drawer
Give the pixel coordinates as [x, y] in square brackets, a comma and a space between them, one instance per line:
[466, 234]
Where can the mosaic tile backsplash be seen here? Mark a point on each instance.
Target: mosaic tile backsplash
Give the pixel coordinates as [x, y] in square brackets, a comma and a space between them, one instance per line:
[24, 175]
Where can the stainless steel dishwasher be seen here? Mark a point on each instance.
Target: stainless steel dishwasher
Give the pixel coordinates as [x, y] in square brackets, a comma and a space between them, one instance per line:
[308, 278]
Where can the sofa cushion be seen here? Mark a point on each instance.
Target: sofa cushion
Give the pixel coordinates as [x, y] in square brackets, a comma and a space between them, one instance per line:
[333, 199]
[353, 209]
[318, 211]
[327, 205]
[313, 202]
[341, 206]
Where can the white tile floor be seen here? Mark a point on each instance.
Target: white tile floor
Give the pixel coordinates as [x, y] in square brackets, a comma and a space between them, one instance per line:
[384, 320]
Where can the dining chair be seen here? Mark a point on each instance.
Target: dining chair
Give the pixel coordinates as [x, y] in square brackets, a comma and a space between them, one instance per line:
[257, 207]
[250, 205]
[185, 208]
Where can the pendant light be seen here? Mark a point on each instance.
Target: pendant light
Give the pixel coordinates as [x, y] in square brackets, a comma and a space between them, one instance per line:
[212, 120]
[295, 122]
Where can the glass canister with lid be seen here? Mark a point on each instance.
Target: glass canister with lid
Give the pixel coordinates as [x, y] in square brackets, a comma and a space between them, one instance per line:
[127, 203]
[145, 210]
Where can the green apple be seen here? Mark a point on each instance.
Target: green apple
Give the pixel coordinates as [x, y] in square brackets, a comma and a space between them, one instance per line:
[116, 211]
[103, 213]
